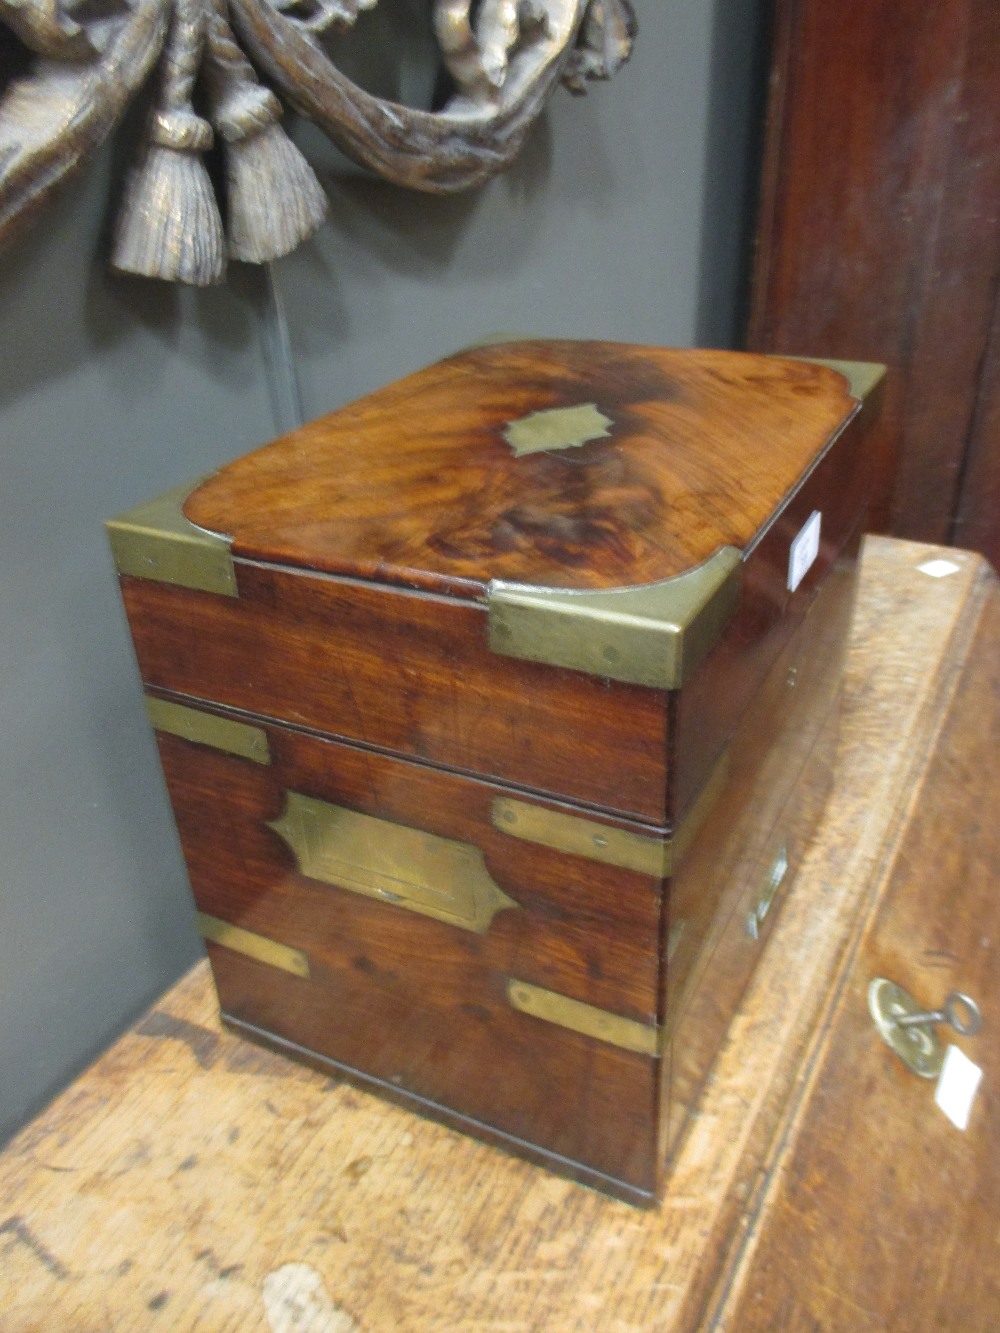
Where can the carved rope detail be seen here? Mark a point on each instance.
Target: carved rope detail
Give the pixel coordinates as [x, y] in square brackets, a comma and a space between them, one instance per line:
[504, 57]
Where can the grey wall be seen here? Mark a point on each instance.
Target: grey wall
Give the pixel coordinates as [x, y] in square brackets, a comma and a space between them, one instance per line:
[625, 218]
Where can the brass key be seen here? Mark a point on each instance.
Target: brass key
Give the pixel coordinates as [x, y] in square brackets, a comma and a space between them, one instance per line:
[907, 1028]
[950, 1013]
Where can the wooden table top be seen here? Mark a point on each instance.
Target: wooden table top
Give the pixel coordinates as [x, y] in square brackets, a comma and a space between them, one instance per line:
[191, 1181]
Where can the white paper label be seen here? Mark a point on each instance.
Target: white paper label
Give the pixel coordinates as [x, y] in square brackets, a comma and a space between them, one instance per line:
[804, 550]
[957, 1086]
[938, 569]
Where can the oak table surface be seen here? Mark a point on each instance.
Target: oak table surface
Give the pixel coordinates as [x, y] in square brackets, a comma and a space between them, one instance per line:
[189, 1180]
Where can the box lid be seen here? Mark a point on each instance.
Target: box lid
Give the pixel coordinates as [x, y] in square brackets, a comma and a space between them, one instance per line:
[570, 465]
[598, 497]
[411, 572]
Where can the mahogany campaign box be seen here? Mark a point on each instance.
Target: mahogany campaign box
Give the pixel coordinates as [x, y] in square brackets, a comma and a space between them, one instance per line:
[495, 708]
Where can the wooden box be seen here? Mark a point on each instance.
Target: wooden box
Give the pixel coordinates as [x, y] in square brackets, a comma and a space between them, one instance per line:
[495, 710]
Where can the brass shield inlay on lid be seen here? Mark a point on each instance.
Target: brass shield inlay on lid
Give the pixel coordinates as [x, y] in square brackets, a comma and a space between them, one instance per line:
[394, 863]
[558, 428]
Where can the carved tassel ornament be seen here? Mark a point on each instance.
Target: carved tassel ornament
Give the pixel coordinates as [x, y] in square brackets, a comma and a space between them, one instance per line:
[273, 198]
[504, 58]
[169, 225]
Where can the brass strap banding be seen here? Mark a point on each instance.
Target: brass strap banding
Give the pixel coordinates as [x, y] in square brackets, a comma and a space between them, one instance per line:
[255, 946]
[655, 854]
[582, 837]
[587, 1019]
[221, 733]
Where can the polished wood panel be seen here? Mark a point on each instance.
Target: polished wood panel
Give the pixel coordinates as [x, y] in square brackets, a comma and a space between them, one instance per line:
[757, 865]
[878, 235]
[190, 1179]
[407, 673]
[781, 770]
[977, 520]
[419, 1007]
[412, 673]
[416, 485]
[706, 712]
[582, 927]
[795, 705]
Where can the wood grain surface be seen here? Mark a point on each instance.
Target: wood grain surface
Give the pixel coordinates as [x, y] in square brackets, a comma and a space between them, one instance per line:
[707, 710]
[878, 234]
[416, 485]
[418, 1008]
[407, 673]
[189, 1180]
[751, 848]
[901, 1172]
[976, 523]
[402, 663]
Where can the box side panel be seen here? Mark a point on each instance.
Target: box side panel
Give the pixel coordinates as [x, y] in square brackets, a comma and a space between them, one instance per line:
[739, 867]
[426, 1006]
[708, 709]
[716, 985]
[406, 673]
[761, 768]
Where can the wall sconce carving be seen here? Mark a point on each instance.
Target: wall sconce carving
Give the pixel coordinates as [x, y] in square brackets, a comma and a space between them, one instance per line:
[87, 60]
